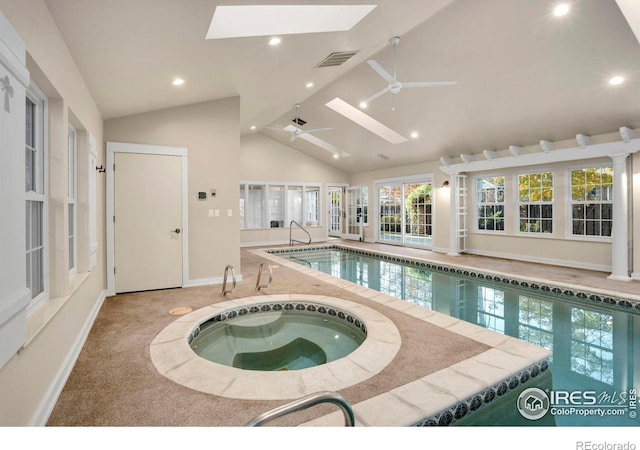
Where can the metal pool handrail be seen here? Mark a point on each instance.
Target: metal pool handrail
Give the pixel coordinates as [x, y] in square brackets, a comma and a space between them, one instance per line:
[260, 286]
[291, 240]
[228, 269]
[304, 403]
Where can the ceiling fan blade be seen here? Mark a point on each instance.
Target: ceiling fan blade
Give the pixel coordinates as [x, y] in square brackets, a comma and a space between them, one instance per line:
[415, 84]
[380, 71]
[378, 94]
[316, 129]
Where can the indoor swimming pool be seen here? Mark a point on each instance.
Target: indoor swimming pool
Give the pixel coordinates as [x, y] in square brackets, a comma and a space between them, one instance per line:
[594, 338]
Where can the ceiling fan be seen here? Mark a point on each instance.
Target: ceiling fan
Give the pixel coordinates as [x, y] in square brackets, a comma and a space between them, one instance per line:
[295, 131]
[395, 86]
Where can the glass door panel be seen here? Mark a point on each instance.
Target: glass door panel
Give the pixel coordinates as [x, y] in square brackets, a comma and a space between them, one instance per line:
[390, 204]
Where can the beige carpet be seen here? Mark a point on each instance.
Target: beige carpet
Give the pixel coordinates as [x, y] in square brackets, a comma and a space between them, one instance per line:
[114, 382]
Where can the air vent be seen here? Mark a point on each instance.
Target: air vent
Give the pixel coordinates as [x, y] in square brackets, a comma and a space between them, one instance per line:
[336, 59]
[381, 156]
[298, 121]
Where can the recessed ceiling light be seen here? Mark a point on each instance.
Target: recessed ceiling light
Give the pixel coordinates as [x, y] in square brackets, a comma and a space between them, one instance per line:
[309, 84]
[616, 80]
[363, 105]
[275, 40]
[178, 82]
[561, 9]
[268, 20]
[253, 127]
[365, 121]
[414, 134]
[336, 156]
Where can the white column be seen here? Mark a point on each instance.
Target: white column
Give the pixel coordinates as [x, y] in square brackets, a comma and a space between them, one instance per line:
[620, 229]
[454, 242]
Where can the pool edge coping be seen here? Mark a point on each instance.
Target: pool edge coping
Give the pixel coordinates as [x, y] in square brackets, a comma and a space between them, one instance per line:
[368, 412]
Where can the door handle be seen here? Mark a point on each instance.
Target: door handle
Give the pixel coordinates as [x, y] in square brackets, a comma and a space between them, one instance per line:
[177, 231]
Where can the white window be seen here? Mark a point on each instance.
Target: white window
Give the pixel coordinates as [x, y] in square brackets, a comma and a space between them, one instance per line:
[275, 205]
[71, 199]
[490, 203]
[311, 206]
[535, 201]
[592, 201]
[36, 196]
[294, 204]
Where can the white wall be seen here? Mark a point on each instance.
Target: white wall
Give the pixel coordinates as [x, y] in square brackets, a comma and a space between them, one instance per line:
[211, 133]
[31, 380]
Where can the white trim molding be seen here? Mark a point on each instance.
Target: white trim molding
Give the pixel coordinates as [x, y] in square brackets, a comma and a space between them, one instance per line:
[122, 147]
[546, 158]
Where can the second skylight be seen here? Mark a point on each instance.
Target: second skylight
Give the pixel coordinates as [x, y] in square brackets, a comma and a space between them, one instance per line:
[266, 20]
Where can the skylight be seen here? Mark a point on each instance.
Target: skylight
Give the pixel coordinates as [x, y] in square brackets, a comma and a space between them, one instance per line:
[365, 121]
[267, 20]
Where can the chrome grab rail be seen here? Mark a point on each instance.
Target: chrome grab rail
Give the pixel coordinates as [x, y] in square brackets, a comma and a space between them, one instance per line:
[228, 269]
[304, 403]
[260, 286]
[291, 240]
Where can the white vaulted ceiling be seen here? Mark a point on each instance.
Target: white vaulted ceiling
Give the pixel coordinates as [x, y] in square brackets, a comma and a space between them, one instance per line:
[523, 75]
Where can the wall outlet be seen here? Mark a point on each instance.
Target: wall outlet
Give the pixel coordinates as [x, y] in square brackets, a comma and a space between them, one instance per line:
[211, 213]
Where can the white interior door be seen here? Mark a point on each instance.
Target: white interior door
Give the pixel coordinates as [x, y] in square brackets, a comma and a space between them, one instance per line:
[148, 235]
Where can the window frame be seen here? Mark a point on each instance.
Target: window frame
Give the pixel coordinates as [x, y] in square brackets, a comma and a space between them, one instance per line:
[570, 203]
[72, 198]
[477, 204]
[518, 203]
[303, 188]
[41, 192]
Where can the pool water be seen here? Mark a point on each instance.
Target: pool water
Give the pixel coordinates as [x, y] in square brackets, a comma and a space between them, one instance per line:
[595, 362]
[277, 340]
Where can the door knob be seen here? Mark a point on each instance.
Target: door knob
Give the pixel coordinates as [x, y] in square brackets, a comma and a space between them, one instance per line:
[177, 230]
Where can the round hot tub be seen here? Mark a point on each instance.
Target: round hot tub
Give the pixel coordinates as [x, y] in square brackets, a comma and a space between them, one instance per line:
[286, 365]
[279, 336]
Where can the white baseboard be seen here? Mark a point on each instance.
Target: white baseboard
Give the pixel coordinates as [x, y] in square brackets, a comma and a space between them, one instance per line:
[208, 281]
[553, 262]
[635, 276]
[50, 399]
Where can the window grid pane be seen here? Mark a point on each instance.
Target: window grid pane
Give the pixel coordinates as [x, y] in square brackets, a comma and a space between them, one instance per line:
[35, 198]
[35, 247]
[535, 197]
[591, 201]
[490, 203]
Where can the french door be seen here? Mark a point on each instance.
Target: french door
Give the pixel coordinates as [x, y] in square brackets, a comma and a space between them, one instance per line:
[405, 212]
[334, 213]
[354, 214]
